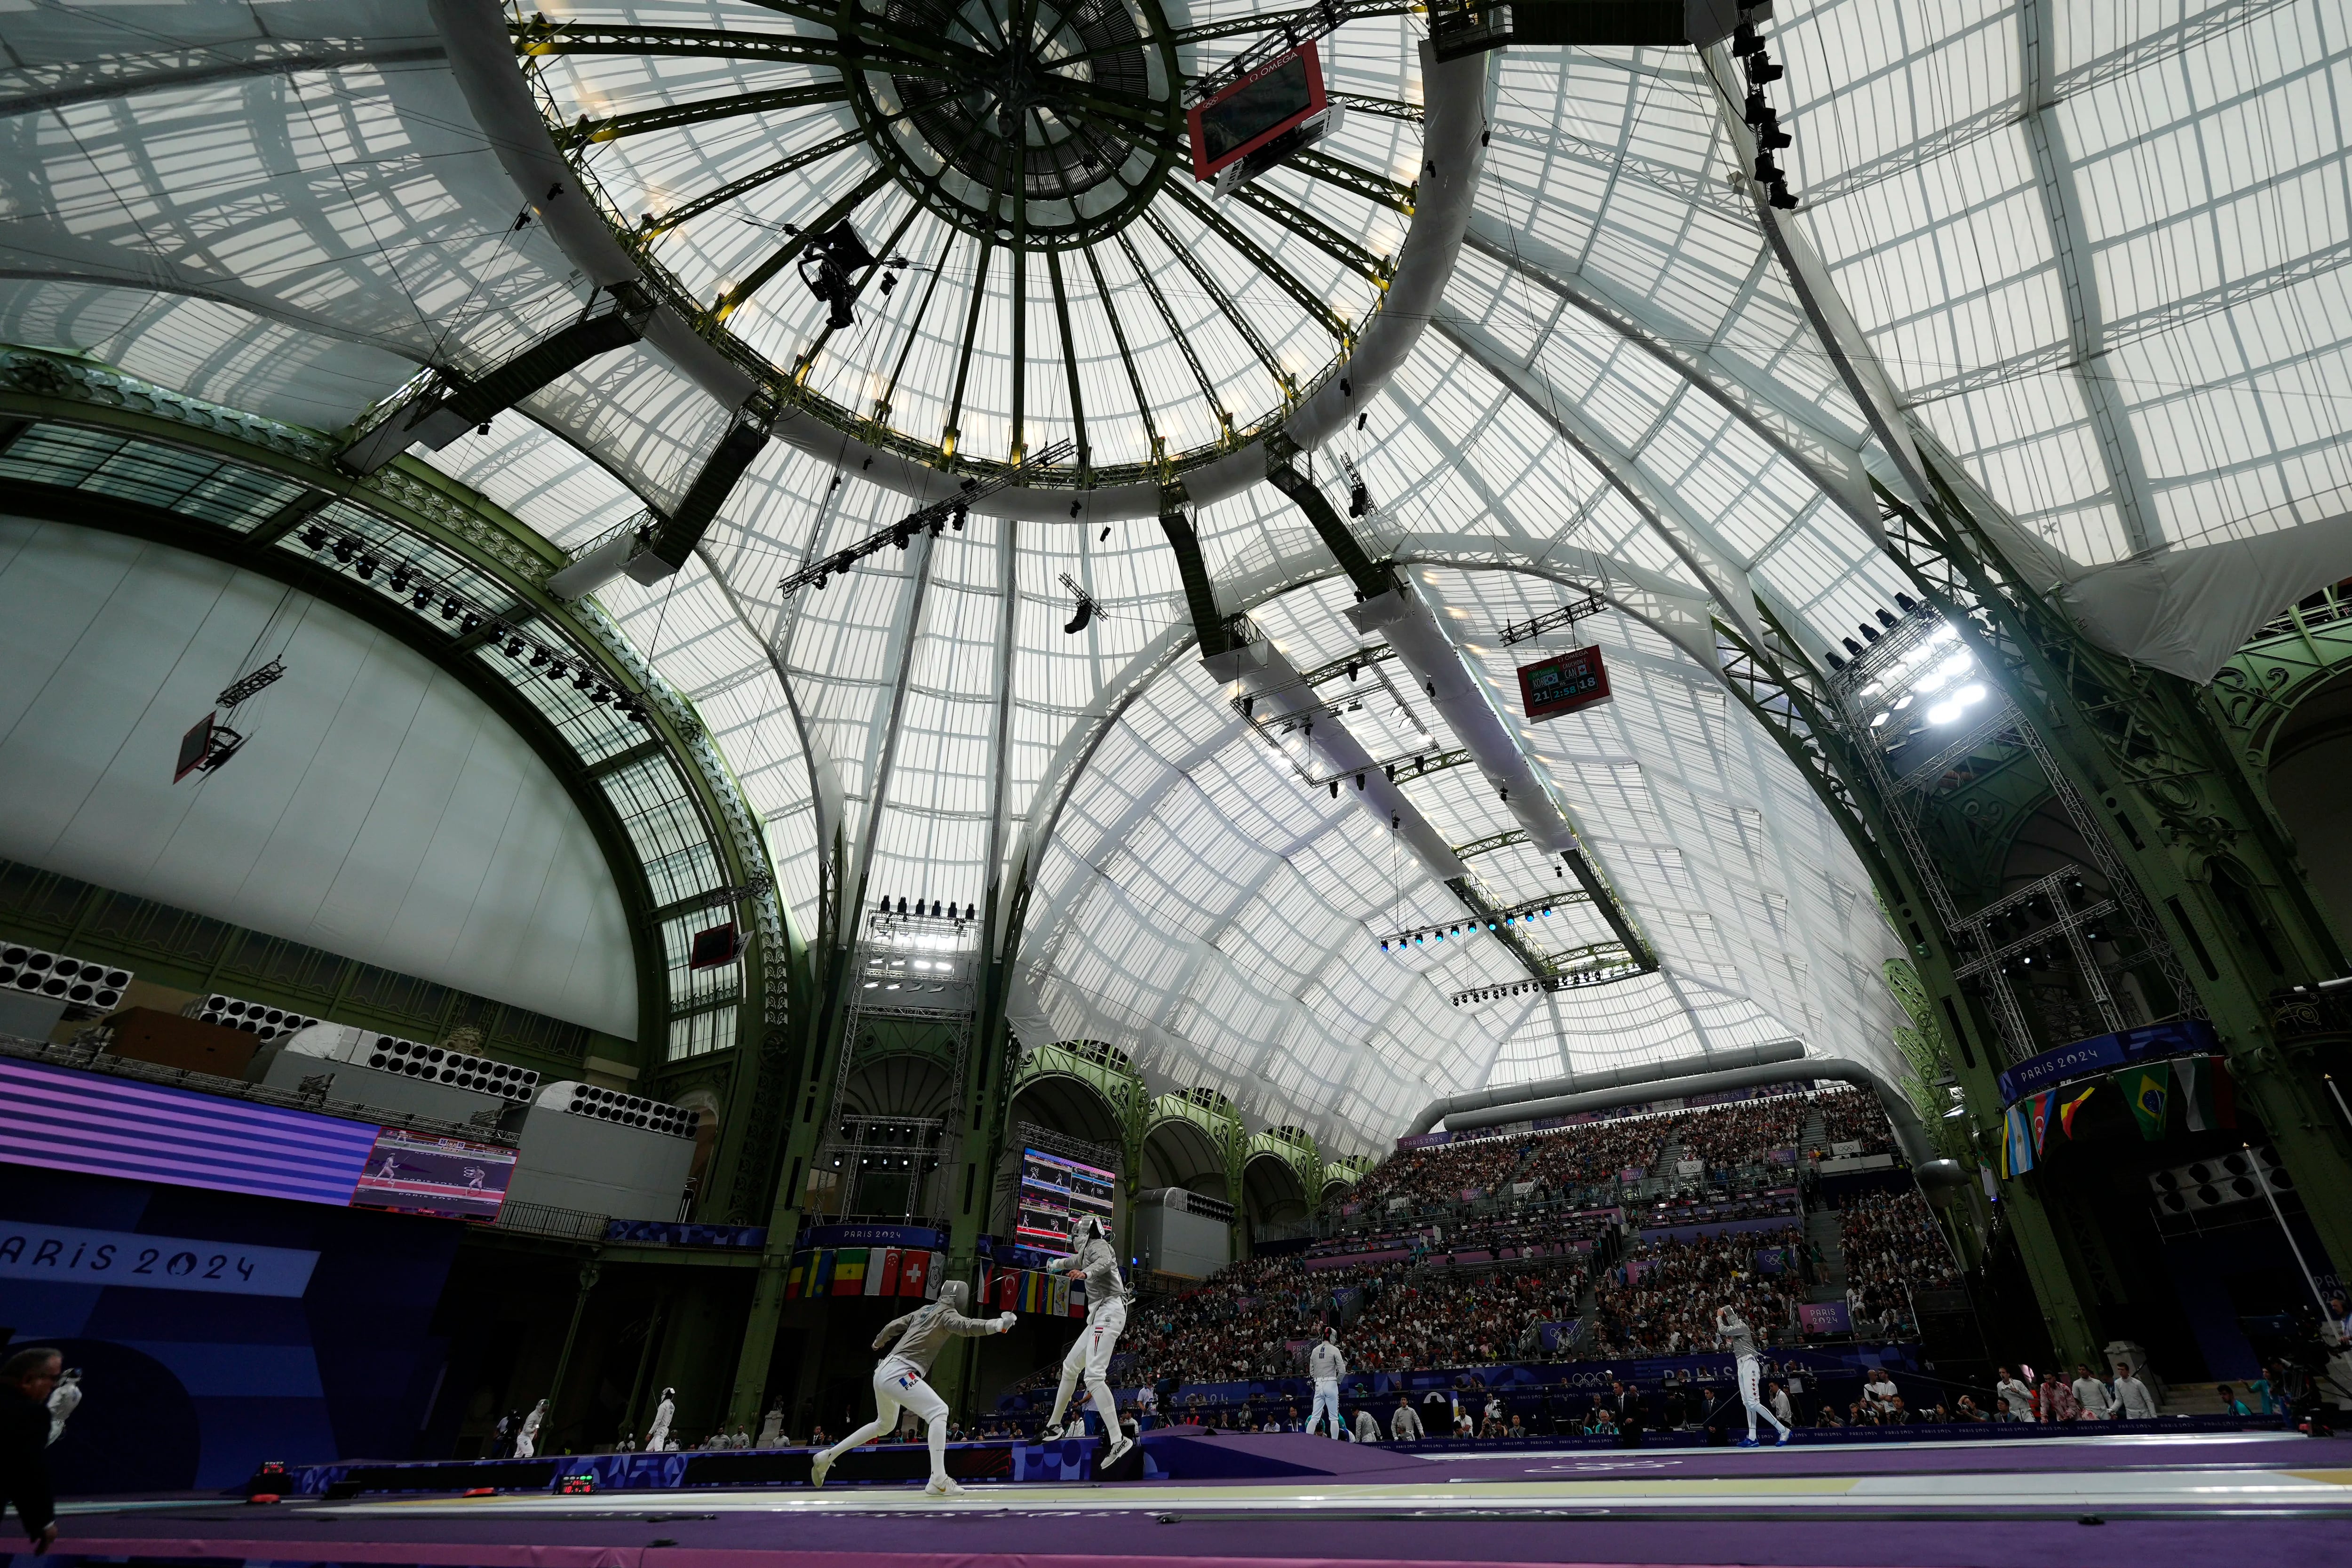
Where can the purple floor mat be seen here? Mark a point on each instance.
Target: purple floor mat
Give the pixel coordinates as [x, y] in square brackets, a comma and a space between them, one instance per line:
[649, 1529]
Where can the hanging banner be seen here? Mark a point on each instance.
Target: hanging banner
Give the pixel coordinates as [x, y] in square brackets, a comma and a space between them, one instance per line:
[2105, 1053]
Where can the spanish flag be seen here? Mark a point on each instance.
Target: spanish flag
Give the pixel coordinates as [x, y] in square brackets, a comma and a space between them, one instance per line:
[849, 1271]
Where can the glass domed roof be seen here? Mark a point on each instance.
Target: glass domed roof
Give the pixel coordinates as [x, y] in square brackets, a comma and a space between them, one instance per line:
[2087, 260]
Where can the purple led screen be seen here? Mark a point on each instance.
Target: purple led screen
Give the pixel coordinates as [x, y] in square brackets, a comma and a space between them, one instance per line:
[103, 1126]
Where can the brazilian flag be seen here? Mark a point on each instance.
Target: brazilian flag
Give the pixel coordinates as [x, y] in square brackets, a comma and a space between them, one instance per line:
[2149, 1091]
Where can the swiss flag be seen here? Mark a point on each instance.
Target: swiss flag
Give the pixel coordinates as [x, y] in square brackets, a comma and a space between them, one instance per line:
[914, 1268]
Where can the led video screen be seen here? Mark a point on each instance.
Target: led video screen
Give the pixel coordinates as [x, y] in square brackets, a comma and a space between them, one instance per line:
[104, 1126]
[1056, 1194]
[1255, 109]
[416, 1173]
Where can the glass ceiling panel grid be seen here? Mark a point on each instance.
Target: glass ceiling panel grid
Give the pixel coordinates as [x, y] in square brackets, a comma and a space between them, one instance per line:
[229, 494]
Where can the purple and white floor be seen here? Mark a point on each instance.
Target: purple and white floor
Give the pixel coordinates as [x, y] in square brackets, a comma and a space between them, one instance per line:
[2147, 1500]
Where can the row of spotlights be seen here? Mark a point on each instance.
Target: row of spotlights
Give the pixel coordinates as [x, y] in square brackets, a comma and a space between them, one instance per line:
[971, 912]
[403, 579]
[1404, 941]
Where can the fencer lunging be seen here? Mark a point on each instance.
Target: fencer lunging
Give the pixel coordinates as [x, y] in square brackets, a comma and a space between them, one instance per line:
[1742, 1342]
[1096, 1261]
[1326, 1366]
[914, 1343]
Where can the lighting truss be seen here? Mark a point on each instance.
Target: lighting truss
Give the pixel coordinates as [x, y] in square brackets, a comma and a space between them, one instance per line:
[425, 592]
[928, 519]
[1401, 770]
[1282, 34]
[1363, 658]
[1914, 688]
[1515, 916]
[1602, 964]
[245, 686]
[1567, 615]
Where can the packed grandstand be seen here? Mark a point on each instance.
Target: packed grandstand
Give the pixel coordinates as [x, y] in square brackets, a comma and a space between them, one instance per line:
[1596, 1242]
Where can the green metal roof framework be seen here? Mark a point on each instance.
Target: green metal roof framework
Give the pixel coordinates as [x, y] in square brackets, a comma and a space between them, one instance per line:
[85, 445]
[936, 92]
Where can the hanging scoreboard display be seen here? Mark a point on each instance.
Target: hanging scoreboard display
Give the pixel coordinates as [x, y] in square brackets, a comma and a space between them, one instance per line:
[1252, 113]
[1563, 683]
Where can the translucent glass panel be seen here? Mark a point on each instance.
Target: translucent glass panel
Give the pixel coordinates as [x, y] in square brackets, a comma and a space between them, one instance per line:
[161, 477]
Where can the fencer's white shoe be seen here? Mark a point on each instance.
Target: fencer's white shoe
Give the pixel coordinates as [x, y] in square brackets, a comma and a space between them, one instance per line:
[942, 1487]
[1053, 1434]
[1115, 1453]
[819, 1467]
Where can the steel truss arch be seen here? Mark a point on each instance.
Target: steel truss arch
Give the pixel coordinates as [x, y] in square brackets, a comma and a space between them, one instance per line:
[471, 532]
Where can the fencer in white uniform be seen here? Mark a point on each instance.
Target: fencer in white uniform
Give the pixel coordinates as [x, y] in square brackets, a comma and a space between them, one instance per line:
[914, 1343]
[1742, 1342]
[1096, 1261]
[527, 1441]
[1326, 1366]
[64, 1400]
[657, 1434]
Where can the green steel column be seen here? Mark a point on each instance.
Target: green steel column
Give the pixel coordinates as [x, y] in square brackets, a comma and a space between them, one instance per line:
[1792, 703]
[2174, 803]
[987, 1098]
[799, 1098]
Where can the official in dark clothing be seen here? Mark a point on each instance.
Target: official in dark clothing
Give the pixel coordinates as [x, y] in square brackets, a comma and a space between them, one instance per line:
[26, 1379]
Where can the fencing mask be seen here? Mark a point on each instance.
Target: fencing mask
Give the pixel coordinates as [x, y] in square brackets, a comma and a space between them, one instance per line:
[955, 1296]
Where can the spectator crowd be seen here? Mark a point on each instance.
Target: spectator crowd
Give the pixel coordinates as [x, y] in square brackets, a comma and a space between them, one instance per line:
[1894, 1248]
[1561, 1161]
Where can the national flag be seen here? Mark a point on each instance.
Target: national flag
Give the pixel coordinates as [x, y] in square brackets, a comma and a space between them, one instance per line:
[1057, 1299]
[2017, 1141]
[820, 1281]
[849, 1271]
[2067, 1111]
[797, 1277]
[2037, 1114]
[881, 1266]
[2150, 1090]
[2207, 1098]
[1032, 1291]
[913, 1268]
[935, 1276]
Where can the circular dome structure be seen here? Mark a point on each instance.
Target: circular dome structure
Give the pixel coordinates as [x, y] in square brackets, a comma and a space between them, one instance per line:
[965, 234]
